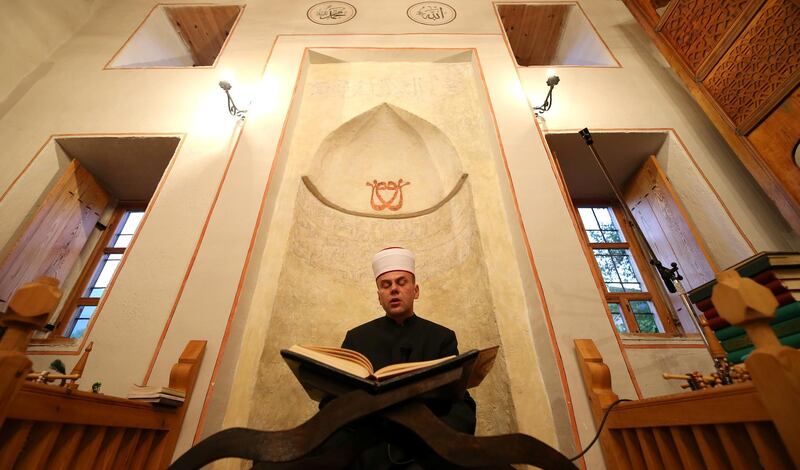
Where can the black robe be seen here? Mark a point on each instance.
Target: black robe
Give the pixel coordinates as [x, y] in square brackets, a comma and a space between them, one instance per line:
[384, 342]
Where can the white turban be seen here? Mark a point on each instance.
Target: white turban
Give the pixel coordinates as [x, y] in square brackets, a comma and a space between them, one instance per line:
[392, 259]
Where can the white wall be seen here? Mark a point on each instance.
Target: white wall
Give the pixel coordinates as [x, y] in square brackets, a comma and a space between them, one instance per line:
[31, 30]
[181, 278]
[579, 43]
[155, 44]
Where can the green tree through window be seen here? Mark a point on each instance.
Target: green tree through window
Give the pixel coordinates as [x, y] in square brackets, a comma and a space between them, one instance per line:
[629, 301]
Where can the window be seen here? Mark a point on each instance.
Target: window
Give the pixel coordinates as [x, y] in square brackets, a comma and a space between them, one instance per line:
[96, 276]
[633, 308]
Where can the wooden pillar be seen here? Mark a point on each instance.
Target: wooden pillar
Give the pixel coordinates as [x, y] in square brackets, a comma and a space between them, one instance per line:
[775, 369]
[28, 311]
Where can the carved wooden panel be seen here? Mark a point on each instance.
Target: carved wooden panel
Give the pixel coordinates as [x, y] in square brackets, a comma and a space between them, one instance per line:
[763, 62]
[695, 27]
[775, 139]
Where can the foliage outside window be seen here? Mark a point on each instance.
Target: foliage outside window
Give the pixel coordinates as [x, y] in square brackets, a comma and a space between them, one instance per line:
[97, 275]
[630, 302]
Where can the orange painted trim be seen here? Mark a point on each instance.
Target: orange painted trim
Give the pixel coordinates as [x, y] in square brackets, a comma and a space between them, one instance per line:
[553, 341]
[112, 282]
[135, 31]
[86, 134]
[514, 59]
[663, 346]
[108, 66]
[672, 131]
[190, 267]
[714, 190]
[598, 34]
[242, 276]
[590, 261]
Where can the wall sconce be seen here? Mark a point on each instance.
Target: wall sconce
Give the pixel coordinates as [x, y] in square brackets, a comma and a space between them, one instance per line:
[232, 109]
[552, 81]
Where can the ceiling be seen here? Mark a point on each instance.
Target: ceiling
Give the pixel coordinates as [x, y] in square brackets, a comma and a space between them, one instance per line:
[203, 28]
[622, 152]
[127, 167]
[533, 31]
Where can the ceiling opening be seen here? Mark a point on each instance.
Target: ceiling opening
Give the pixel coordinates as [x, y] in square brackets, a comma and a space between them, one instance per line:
[129, 168]
[542, 34]
[179, 36]
[623, 153]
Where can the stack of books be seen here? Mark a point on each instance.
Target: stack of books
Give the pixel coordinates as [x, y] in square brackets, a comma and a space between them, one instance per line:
[158, 395]
[778, 271]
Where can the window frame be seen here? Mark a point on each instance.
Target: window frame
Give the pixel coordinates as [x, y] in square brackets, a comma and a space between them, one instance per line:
[67, 316]
[652, 294]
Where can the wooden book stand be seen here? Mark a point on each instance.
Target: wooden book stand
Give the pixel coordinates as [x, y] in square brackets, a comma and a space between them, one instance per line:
[437, 445]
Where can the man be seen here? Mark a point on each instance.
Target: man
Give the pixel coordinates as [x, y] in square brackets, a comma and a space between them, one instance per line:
[402, 336]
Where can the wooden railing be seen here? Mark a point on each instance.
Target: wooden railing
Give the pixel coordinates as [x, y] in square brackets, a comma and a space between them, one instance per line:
[46, 426]
[748, 425]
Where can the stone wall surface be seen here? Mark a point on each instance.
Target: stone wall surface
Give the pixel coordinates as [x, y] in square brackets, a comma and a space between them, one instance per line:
[325, 286]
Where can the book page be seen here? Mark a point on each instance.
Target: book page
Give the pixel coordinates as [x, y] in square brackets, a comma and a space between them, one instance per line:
[138, 390]
[340, 362]
[397, 369]
[349, 354]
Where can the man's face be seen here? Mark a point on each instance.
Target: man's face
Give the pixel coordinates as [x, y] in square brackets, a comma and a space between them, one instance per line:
[397, 291]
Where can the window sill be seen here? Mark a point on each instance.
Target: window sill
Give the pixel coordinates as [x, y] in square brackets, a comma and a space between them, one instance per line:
[654, 341]
[54, 340]
[56, 343]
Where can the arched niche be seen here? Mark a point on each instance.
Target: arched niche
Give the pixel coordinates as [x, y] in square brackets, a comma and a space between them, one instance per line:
[325, 285]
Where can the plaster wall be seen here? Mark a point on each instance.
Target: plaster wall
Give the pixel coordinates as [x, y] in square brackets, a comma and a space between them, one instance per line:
[30, 32]
[649, 364]
[182, 278]
[454, 245]
[579, 44]
[155, 44]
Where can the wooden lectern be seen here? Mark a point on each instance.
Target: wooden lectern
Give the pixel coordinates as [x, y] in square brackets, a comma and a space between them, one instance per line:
[357, 405]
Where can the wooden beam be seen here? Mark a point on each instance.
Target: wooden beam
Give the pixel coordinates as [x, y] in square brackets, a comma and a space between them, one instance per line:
[534, 31]
[203, 29]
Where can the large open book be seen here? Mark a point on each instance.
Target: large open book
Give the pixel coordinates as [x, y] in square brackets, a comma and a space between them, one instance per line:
[353, 362]
[343, 369]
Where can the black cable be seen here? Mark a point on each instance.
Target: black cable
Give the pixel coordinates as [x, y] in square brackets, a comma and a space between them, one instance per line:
[599, 429]
[391, 460]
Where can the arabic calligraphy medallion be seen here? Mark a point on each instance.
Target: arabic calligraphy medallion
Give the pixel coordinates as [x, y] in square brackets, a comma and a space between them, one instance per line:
[431, 13]
[387, 194]
[331, 13]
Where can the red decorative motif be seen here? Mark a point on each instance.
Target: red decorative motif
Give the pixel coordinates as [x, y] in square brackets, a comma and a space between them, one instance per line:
[379, 202]
[761, 61]
[695, 27]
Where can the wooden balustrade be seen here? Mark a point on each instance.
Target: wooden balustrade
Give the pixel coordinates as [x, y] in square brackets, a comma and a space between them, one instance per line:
[747, 425]
[46, 426]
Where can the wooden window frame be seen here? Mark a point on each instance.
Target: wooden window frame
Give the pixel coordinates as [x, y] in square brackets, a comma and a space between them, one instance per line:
[66, 317]
[653, 293]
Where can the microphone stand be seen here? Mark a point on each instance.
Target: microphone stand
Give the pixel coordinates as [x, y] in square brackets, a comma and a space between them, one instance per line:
[670, 276]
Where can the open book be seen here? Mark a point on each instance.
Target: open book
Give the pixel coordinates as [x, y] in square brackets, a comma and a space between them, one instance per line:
[355, 363]
[332, 371]
[158, 395]
[143, 391]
